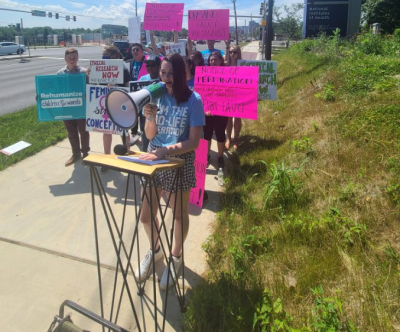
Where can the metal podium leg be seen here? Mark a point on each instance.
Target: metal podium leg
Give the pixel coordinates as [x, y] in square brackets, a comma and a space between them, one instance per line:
[104, 202]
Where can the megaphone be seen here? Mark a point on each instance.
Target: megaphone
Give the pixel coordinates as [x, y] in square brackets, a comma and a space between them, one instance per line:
[123, 108]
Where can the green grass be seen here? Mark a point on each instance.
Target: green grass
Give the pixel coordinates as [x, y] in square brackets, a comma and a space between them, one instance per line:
[307, 236]
[24, 126]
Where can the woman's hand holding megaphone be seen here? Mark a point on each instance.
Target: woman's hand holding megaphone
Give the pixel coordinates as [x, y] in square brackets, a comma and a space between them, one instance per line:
[150, 111]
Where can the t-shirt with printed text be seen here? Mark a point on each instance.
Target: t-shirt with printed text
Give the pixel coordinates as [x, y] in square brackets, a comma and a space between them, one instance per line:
[174, 122]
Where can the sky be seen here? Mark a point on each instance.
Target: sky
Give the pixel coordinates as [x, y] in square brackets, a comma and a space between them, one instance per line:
[91, 14]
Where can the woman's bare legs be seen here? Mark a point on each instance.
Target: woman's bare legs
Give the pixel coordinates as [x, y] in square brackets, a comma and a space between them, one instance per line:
[228, 130]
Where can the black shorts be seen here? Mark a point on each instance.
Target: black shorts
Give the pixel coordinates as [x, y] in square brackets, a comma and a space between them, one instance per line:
[217, 124]
[166, 179]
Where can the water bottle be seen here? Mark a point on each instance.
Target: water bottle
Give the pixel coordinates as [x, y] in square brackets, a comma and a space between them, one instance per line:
[220, 176]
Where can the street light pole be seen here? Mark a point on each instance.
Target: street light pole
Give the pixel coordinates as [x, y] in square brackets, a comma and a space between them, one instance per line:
[268, 45]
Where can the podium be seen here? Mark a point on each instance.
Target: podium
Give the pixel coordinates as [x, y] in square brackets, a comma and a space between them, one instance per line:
[123, 246]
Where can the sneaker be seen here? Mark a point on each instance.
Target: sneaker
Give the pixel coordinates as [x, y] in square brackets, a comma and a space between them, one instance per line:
[221, 163]
[145, 268]
[85, 154]
[74, 157]
[173, 273]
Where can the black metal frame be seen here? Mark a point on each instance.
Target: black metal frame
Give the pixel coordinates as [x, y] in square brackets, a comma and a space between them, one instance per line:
[120, 248]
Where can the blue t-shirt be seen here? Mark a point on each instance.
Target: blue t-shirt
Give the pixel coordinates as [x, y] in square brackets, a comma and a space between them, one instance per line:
[206, 54]
[190, 83]
[148, 78]
[136, 69]
[174, 122]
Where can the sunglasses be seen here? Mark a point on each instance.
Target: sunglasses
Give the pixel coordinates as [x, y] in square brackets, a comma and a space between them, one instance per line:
[233, 52]
[136, 49]
[150, 66]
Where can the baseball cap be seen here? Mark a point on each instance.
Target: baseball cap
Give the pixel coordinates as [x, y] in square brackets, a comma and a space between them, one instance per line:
[153, 58]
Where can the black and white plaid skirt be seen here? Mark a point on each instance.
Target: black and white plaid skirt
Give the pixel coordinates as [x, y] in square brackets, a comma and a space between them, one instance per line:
[167, 179]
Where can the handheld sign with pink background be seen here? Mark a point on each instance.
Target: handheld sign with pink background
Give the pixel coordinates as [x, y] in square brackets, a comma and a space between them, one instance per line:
[200, 165]
[228, 91]
[209, 24]
[163, 16]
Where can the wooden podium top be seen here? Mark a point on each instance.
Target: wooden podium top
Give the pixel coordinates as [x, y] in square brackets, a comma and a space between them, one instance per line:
[111, 161]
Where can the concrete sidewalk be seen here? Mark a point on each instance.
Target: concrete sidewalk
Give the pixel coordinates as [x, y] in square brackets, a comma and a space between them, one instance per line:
[48, 246]
[251, 51]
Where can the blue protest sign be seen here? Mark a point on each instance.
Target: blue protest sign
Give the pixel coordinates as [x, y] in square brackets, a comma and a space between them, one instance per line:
[61, 97]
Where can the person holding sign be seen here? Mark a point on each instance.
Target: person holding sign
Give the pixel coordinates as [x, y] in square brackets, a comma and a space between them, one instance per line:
[190, 71]
[77, 127]
[216, 123]
[153, 67]
[174, 129]
[207, 53]
[112, 52]
[136, 67]
[233, 54]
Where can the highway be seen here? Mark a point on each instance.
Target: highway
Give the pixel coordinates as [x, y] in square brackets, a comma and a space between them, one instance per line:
[17, 83]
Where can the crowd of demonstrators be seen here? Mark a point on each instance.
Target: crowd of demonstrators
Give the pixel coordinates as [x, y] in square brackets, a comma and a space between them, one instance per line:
[216, 123]
[78, 136]
[153, 64]
[179, 107]
[232, 56]
[112, 52]
[210, 50]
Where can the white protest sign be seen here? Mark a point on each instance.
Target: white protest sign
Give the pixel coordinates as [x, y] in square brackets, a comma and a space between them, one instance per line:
[134, 32]
[267, 86]
[15, 148]
[106, 71]
[175, 48]
[96, 117]
[148, 40]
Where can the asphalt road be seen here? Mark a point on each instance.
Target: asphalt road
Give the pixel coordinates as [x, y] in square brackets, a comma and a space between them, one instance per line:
[17, 78]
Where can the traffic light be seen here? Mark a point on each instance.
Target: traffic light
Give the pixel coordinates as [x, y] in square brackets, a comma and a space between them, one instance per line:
[50, 15]
[18, 26]
[74, 18]
[57, 16]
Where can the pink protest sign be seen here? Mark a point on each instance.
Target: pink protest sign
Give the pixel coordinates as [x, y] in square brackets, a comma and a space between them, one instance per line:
[209, 24]
[200, 164]
[163, 16]
[228, 91]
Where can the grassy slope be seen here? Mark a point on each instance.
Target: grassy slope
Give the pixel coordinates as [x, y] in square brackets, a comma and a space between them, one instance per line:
[311, 209]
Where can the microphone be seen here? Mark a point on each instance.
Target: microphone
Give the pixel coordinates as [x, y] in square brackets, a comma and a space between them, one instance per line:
[122, 149]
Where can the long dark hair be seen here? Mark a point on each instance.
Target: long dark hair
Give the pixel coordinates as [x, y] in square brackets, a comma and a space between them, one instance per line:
[191, 64]
[180, 89]
[197, 56]
[219, 56]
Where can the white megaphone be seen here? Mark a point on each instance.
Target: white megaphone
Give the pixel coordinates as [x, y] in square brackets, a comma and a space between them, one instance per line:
[123, 108]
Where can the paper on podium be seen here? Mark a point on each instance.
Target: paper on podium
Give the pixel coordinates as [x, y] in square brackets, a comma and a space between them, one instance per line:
[141, 161]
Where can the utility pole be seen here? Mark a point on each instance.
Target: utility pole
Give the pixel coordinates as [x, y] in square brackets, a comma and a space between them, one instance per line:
[268, 44]
[236, 31]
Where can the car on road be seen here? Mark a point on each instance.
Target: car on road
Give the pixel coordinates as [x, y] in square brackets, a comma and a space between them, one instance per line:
[124, 47]
[11, 48]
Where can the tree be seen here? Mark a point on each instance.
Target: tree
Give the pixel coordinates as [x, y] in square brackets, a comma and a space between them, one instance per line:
[292, 23]
[385, 12]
